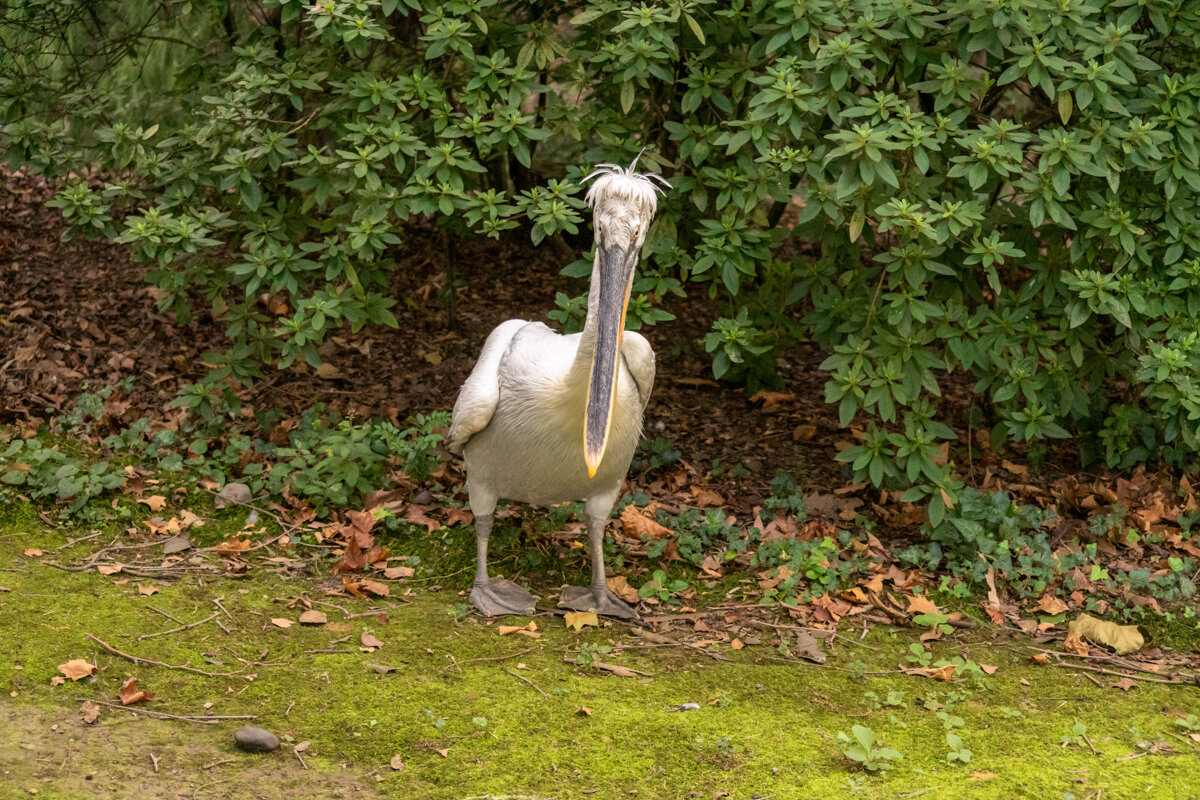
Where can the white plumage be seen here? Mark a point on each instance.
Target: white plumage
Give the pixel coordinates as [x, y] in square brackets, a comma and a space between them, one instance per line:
[545, 418]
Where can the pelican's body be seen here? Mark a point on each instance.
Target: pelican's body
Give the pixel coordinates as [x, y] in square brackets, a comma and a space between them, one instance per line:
[530, 447]
[545, 418]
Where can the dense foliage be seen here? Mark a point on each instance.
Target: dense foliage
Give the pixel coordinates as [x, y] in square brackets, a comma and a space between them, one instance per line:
[1006, 189]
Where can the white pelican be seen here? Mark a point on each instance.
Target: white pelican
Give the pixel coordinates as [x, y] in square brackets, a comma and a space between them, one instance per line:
[545, 418]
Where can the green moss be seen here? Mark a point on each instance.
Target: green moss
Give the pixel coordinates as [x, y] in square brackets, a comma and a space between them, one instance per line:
[764, 727]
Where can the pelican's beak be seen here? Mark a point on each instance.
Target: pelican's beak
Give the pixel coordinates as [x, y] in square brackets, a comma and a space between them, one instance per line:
[616, 273]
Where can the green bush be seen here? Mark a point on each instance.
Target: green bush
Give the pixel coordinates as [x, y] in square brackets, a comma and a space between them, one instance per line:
[1001, 189]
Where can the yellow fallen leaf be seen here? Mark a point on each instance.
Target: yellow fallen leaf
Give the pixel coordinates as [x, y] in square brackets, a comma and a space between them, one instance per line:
[507, 629]
[1121, 638]
[578, 619]
[77, 668]
[1051, 605]
[280, 622]
[155, 502]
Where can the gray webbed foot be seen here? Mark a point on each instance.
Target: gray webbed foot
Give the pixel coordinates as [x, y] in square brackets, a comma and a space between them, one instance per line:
[498, 597]
[604, 602]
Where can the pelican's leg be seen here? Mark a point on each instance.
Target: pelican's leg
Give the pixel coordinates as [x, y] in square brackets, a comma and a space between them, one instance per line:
[598, 596]
[496, 596]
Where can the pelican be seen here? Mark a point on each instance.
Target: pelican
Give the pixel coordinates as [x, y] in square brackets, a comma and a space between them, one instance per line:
[545, 418]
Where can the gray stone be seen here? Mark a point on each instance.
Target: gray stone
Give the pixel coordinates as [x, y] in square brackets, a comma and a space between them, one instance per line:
[256, 740]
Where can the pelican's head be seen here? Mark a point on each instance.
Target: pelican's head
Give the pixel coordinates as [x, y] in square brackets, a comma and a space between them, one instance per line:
[623, 203]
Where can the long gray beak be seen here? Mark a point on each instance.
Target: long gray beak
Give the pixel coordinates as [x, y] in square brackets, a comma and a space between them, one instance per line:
[616, 266]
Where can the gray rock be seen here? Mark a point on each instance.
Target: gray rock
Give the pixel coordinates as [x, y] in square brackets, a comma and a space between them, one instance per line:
[256, 740]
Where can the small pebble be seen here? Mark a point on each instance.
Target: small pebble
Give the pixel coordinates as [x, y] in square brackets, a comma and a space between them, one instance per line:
[687, 707]
[256, 740]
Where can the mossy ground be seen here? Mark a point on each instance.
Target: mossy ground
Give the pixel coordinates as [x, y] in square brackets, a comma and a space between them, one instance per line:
[764, 728]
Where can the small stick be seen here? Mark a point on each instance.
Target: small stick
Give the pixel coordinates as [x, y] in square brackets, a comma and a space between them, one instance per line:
[184, 717]
[491, 658]
[217, 763]
[221, 625]
[1124, 675]
[531, 683]
[73, 542]
[138, 660]
[165, 614]
[217, 603]
[1088, 675]
[154, 761]
[1132, 756]
[1095, 752]
[289, 708]
[176, 630]
[296, 753]
[329, 652]
[452, 661]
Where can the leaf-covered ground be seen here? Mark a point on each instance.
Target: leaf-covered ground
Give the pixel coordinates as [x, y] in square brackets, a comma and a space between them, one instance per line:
[449, 707]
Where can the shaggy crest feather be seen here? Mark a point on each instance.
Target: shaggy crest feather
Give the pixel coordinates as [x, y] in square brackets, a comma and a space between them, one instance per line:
[625, 185]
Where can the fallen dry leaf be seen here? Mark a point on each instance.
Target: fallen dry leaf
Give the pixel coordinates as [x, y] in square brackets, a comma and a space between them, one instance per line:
[809, 648]
[1051, 605]
[507, 629]
[57, 680]
[147, 590]
[444, 753]
[130, 693]
[77, 668]
[706, 498]
[635, 523]
[232, 546]
[396, 763]
[313, 617]
[370, 641]
[988, 669]
[105, 569]
[1040, 658]
[619, 586]
[578, 619]
[1125, 684]
[920, 604]
[1121, 638]
[155, 502]
[90, 710]
[374, 587]
[33, 552]
[392, 573]
[280, 622]
[1074, 643]
[982, 775]
[583, 711]
[736, 644]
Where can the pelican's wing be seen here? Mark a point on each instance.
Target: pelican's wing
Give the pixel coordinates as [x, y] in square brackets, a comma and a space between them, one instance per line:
[478, 397]
[639, 357]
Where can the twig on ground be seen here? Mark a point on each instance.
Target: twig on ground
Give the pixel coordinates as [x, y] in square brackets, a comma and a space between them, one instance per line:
[176, 630]
[289, 708]
[138, 660]
[206, 720]
[490, 658]
[154, 761]
[329, 652]
[217, 603]
[165, 614]
[1191, 682]
[299, 757]
[73, 542]
[531, 683]
[217, 763]
[1131, 756]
